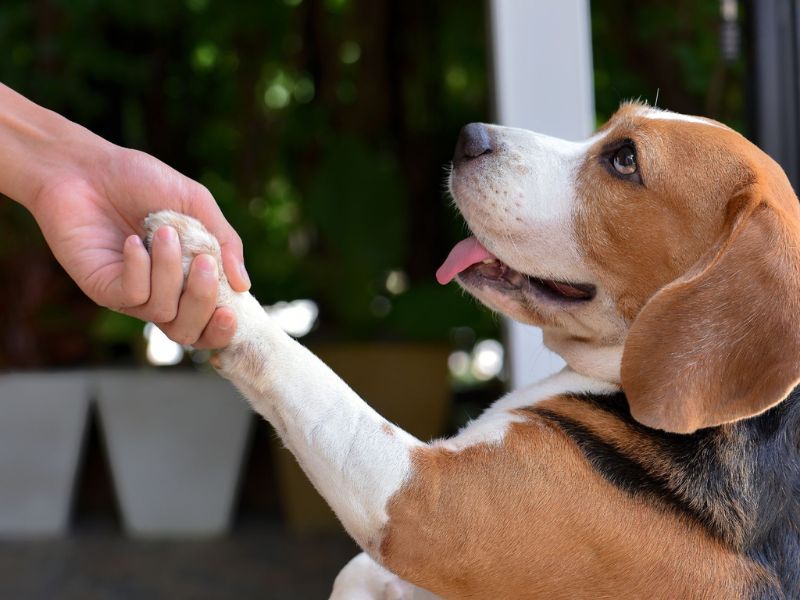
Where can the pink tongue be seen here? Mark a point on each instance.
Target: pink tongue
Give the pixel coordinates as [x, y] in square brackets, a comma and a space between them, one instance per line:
[465, 254]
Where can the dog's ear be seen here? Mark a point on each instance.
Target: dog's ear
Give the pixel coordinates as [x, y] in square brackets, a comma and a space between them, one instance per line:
[722, 342]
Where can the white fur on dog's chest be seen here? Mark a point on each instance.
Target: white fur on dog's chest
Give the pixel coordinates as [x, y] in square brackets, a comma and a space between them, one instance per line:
[491, 427]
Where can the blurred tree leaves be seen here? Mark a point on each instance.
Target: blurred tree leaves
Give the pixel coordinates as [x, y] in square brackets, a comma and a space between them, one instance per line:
[648, 47]
[357, 201]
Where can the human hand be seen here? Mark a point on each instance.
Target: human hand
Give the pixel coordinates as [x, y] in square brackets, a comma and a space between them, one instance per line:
[92, 222]
[90, 198]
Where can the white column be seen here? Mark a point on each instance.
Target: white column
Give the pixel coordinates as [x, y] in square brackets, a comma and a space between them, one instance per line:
[542, 60]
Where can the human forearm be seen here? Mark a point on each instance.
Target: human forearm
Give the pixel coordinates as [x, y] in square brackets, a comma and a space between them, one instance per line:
[37, 145]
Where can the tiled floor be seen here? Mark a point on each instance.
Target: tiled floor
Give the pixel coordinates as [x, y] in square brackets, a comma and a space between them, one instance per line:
[258, 561]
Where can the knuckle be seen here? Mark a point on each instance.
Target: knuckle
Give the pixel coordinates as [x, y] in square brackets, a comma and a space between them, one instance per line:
[231, 246]
[202, 284]
[198, 195]
[163, 315]
[204, 294]
[236, 240]
[135, 298]
[204, 193]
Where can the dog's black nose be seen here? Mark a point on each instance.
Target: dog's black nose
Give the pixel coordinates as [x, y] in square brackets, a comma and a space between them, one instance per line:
[473, 141]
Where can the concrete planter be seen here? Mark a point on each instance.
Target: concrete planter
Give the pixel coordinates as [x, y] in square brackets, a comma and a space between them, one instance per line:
[406, 383]
[175, 442]
[42, 425]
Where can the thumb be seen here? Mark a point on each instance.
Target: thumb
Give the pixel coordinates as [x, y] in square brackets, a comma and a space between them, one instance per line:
[202, 206]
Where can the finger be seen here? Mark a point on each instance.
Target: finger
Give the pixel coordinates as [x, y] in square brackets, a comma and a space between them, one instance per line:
[201, 205]
[135, 273]
[219, 331]
[234, 267]
[197, 303]
[166, 276]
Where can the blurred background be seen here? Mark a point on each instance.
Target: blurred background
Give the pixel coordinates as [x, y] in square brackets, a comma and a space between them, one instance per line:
[323, 128]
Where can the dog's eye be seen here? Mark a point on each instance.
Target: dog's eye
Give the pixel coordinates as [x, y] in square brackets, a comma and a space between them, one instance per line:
[624, 160]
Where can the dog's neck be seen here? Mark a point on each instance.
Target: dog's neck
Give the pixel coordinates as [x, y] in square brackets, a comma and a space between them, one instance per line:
[586, 356]
[775, 536]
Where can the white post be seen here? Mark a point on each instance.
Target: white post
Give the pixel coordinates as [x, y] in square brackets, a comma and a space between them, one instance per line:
[542, 60]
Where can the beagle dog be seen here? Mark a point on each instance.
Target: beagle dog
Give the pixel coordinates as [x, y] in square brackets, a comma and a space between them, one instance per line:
[661, 258]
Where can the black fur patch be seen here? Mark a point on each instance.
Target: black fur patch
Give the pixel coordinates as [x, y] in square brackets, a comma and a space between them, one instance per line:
[626, 472]
[740, 482]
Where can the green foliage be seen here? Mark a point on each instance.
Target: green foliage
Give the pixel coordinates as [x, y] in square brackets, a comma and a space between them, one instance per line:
[114, 328]
[647, 48]
[432, 312]
[357, 200]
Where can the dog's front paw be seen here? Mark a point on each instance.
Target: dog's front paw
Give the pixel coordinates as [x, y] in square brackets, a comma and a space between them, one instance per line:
[241, 358]
[194, 238]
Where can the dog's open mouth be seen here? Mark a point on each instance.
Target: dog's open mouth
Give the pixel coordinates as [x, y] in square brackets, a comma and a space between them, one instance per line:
[474, 264]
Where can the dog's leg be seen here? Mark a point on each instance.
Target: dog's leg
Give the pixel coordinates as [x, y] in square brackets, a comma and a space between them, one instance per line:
[355, 458]
[364, 579]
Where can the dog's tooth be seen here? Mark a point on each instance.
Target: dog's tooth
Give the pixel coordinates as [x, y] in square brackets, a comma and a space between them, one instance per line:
[488, 261]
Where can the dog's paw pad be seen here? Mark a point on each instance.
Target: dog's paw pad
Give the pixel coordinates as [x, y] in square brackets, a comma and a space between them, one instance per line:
[194, 238]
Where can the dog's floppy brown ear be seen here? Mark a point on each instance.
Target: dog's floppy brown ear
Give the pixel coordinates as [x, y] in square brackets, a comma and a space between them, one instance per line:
[721, 343]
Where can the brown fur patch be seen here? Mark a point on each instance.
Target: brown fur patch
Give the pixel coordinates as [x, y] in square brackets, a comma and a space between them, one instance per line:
[640, 237]
[531, 519]
[695, 258]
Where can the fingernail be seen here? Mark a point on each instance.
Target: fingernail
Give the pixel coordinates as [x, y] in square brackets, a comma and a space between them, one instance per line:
[206, 264]
[134, 241]
[166, 233]
[244, 275]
